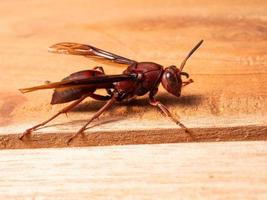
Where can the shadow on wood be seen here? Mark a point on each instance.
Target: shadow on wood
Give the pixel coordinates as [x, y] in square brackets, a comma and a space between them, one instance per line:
[166, 99]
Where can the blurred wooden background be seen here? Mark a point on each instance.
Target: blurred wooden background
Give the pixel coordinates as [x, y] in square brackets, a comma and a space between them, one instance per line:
[227, 101]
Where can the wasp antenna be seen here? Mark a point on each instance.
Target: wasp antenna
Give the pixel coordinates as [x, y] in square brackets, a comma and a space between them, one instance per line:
[190, 53]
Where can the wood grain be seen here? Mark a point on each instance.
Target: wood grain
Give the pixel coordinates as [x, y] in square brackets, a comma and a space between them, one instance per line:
[229, 70]
[231, 170]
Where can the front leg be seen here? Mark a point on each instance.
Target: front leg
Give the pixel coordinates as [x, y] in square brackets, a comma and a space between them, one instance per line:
[187, 82]
[165, 111]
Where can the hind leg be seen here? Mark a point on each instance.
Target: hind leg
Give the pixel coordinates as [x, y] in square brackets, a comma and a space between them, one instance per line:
[64, 110]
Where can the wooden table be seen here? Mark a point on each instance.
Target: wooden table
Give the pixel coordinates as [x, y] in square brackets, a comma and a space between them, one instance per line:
[225, 170]
[226, 102]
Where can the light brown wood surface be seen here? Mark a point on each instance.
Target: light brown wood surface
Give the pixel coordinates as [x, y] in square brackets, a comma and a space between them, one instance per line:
[169, 171]
[229, 70]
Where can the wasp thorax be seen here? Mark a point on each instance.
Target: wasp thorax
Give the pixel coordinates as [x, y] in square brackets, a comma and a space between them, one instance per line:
[171, 80]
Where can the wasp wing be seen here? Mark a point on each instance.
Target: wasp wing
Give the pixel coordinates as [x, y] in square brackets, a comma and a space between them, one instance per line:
[103, 81]
[88, 51]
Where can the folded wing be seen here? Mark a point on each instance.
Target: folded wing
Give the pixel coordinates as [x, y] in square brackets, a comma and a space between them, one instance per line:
[88, 51]
[103, 81]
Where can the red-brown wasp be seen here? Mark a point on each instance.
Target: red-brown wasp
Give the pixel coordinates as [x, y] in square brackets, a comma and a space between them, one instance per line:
[138, 79]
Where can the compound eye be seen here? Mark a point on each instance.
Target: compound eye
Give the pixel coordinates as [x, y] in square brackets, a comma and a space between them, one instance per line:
[171, 81]
[171, 78]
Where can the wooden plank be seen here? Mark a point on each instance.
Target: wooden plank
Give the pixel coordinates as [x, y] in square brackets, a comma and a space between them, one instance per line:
[145, 135]
[224, 170]
[229, 70]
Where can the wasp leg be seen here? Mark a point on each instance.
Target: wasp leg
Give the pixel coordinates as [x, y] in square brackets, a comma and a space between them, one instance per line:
[100, 97]
[99, 68]
[96, 115]
[167, 113]
[64, 110]
[187, 82]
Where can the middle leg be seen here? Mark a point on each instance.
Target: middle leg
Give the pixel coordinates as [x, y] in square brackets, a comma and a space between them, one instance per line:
[96, 115]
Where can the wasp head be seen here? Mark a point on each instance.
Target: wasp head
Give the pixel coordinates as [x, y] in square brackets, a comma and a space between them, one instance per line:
[172, 76]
